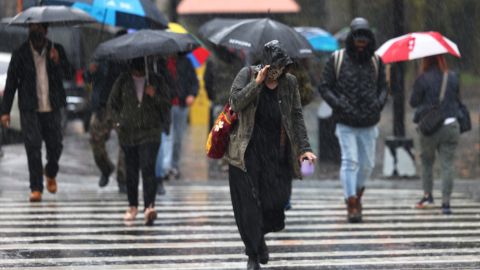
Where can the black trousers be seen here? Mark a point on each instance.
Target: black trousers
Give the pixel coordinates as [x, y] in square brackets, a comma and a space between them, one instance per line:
[141, 158]
[36, 127]
[258, 198]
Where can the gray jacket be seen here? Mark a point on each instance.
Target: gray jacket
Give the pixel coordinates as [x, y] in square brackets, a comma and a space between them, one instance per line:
[244, 100]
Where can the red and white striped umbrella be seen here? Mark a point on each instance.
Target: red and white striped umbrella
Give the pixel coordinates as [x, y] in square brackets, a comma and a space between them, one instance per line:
[416, 45]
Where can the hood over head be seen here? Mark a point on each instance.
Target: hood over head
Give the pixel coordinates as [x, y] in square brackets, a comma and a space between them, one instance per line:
[360, 29]
[275, 55]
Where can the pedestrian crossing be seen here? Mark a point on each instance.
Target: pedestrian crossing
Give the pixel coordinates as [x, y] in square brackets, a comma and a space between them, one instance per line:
[195, 229]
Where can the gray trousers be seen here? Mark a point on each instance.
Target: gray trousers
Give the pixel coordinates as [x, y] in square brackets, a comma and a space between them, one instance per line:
[444, 141]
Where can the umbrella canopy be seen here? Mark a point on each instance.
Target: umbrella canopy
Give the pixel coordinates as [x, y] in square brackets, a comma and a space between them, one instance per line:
[215, 25]
[53, 15]
[197, 56]
[134, 14]
[251, 34]
[145, 43]
[416, 45]
[320, 39]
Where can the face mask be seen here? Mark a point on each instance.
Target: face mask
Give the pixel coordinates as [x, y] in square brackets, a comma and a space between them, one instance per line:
[274, 73]
[36, 37]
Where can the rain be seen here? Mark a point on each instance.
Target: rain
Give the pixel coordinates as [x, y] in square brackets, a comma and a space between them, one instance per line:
[239, 134]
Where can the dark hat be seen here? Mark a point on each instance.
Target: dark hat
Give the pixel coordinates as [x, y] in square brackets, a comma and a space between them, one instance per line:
[359, 23]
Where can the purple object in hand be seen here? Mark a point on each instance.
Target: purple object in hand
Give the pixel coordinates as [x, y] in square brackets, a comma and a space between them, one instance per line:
[307, 167]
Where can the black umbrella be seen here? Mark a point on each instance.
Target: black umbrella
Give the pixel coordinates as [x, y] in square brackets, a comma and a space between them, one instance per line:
[145, 43]
[213, 26]
[251, 34]
[53, 15]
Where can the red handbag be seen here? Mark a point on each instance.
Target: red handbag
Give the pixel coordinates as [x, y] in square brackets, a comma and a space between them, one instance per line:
[219, 136]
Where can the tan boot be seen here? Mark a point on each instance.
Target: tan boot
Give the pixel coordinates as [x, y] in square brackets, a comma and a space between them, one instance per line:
[150, 216]
[35, 196]
[352, 210]
[130, 214]
[51, 184]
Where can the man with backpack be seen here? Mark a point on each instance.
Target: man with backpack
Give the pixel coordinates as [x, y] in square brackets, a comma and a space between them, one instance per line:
[354, 86]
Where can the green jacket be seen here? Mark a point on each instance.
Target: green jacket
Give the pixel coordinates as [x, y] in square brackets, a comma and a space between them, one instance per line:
[244, 100]
[139, 123]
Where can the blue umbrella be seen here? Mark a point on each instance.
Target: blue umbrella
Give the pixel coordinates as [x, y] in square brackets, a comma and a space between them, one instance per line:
[320, 39]
[136, 14]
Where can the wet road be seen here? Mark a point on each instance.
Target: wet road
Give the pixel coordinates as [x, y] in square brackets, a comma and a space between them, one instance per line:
[196, 230]
[81, 227]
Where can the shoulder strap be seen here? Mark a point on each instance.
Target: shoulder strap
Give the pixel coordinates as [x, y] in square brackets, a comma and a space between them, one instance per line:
[375, 60]
[337, 61]
[444, 86]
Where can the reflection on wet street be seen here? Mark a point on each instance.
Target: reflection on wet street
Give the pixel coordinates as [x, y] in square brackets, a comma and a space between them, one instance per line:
[196, 230]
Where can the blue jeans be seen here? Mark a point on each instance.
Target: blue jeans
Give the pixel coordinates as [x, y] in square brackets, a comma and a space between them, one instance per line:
[164, 155]
[358, 156]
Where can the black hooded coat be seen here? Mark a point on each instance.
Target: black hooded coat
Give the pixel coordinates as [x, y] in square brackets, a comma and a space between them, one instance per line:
[359, 93]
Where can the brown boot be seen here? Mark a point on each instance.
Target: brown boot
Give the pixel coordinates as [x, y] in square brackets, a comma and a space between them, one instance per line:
[51, 184]
[35, 196]
[352, 209]
[359, 199]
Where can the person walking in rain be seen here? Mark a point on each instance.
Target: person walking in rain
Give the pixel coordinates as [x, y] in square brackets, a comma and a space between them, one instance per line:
[185, 85]
[102, 75]
[137, 104]
[36, 70]
[354, 86]
[426, 91]
[265, 149]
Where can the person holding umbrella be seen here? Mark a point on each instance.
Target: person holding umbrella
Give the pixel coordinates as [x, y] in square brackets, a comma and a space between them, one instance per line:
[354, 86]
[36, 71]
[427, 89]
[137, 103]
[265, 148]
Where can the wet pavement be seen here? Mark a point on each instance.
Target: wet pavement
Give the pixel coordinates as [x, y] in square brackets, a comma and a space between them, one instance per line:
[81, 227]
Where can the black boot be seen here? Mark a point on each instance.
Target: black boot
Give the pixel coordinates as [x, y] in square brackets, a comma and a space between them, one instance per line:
[253, 264]
[103, 180]
[263, 256]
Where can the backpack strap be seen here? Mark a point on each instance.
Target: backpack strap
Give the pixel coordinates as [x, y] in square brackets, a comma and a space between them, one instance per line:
[337, 61]
[375, 61]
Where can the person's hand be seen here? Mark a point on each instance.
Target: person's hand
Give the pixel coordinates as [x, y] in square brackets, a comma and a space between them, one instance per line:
[54, 55]
[309, 156]
[150, 90]
[189, 100]
[5, 119]
[262, 75]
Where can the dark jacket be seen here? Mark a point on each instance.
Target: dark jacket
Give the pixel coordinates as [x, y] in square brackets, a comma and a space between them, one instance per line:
[426, 92]
[21, 76]
[102, 82]
[359, 94]
[244, 99]
[218, 78]
[186, 82]
[139, 123]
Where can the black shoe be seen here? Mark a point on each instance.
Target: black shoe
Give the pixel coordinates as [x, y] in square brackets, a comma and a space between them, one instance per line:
[263, 256]
[160, 189]
[253, 264]
[122, 188]
[103, 180]
[425, 202]
[446, 209]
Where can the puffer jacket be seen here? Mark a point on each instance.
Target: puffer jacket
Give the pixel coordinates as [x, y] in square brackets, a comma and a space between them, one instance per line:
[139, 123]
[359, 94]
[244, 100]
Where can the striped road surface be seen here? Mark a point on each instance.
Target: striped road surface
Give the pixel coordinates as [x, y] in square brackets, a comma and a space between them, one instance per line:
[196, 230]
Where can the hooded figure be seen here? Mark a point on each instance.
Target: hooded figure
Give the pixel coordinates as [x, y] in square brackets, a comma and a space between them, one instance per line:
[265, 148]
[354, 86]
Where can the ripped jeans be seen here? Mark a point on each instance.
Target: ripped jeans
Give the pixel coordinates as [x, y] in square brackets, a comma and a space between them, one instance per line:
[358, 156]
